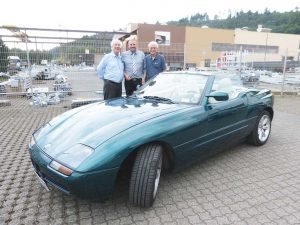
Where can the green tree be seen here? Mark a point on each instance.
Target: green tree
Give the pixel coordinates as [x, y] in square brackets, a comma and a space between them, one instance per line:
[286, 22]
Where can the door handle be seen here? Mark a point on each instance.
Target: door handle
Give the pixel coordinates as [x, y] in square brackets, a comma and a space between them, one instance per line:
[213, 116]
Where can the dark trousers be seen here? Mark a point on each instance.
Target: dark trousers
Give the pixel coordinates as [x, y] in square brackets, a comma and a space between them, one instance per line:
[112, 89]
[131, 85]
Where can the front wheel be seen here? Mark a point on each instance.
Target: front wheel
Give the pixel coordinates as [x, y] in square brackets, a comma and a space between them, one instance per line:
[262, 130]
[145, 175]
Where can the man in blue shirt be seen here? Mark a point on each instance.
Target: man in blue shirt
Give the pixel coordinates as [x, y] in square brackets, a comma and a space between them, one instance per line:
[111, 70]
[154, 62]
[134, 67]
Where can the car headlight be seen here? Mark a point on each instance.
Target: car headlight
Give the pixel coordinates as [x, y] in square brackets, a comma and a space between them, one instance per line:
[61, 168]
[75, 155]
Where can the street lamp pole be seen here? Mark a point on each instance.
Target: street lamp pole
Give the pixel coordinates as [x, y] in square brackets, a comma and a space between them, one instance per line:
[266, 46]
[27, 53]
[283, 72]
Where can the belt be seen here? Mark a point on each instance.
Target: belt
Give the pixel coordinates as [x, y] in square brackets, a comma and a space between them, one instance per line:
[136, 79]
[110, 81]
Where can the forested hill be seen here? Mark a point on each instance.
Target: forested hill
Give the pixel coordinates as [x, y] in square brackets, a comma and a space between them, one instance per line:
[287, 22]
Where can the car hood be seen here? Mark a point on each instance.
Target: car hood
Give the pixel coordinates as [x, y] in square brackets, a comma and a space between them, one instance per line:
[93, 124]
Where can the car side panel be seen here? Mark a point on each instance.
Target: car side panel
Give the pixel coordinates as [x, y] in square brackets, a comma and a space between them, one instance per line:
[227, 121]
[256, 105]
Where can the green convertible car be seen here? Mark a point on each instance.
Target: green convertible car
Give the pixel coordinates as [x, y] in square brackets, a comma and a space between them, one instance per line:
[173, 120]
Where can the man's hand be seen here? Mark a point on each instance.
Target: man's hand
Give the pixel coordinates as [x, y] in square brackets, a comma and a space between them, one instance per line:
[127, 77]
[144, 79]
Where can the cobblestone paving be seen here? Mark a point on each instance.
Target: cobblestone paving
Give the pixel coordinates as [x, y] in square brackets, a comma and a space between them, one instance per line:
[244, 185]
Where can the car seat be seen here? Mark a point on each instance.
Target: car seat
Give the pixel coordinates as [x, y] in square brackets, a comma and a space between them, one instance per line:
[225, 85]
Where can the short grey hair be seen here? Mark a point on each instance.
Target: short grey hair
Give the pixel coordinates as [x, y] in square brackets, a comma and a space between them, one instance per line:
[153, 44]
[115, 41]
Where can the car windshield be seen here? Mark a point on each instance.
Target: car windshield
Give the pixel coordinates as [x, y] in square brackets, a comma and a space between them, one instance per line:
[174, 87]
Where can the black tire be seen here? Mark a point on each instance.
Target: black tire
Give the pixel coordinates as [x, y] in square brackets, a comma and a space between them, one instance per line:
[262, 129]
[145, 176]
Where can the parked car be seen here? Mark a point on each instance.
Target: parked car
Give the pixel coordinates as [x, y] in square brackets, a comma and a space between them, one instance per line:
[250, 76]
[14, 64]
[175, 119]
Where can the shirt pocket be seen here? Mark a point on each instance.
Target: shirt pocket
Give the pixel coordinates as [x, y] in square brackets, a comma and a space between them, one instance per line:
[112, 65]
[156, 63]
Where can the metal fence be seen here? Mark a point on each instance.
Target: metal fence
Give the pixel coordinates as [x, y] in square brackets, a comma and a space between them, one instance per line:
[42, 67]
[57, 67]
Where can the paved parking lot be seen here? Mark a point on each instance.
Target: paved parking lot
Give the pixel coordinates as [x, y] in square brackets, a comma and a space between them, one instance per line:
[244, 185]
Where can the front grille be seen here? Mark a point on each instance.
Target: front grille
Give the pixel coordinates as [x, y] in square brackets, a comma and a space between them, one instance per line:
[56, 185]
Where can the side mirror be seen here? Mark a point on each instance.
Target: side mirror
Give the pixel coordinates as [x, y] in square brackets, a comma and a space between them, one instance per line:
[219, 95]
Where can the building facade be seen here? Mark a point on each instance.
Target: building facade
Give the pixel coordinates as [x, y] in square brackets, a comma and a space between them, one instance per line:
[186, 47]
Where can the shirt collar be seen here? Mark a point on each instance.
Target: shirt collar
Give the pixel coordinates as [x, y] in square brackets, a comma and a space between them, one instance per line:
[153, 57]
[114, 55]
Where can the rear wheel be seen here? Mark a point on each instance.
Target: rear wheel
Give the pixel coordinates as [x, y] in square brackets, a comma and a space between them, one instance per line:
[145, 175]
[262, 130]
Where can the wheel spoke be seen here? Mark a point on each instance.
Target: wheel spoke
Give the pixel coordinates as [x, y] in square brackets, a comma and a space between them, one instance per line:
[260, 134]
[265, 120]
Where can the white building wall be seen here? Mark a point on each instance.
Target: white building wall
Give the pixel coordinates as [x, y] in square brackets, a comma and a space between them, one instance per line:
[289, 42]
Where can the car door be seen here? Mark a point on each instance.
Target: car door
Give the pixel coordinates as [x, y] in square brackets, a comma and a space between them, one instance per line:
[218, 125]
[226, 122]
[187, 141]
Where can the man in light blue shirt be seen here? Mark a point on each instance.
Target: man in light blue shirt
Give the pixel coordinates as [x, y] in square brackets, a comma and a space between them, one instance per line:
[134, 67]
[111, 70]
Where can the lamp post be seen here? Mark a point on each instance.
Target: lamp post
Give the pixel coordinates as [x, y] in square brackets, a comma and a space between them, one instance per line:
[283, 72]
[27, 53]
[266, 46]
[267, 31]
